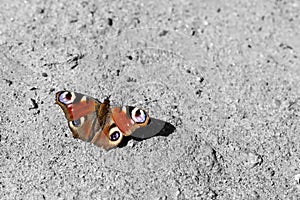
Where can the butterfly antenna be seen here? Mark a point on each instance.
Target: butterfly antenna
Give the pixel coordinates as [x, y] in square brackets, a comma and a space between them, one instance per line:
[122, 103]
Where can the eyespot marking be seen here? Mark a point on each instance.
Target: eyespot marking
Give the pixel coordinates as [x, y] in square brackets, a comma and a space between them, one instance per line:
[77, 123]
[138, 115]
[67, 97]
[115, 134]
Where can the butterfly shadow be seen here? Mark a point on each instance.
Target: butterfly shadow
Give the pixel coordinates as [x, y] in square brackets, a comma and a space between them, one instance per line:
[156, 127]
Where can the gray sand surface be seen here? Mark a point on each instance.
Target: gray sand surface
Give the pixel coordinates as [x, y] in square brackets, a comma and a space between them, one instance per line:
[225, 74]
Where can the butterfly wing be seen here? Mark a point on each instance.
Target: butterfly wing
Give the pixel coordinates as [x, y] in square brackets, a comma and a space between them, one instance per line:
[129, 118]
[122, 121]
[81, 113]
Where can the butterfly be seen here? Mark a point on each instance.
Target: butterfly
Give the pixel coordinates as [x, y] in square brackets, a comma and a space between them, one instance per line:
[105, 126]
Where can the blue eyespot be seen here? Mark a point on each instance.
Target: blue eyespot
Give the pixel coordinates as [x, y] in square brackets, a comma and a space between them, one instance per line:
[66, 97]
[138, 115]
[114, 136]
[76, 123]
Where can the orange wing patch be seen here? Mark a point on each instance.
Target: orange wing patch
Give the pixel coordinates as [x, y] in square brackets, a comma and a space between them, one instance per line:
[81, 109]
[123, 121]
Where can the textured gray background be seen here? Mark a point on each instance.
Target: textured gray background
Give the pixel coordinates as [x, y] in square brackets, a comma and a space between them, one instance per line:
[224, 73]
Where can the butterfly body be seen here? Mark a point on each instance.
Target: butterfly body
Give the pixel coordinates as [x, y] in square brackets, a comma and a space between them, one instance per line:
[96, 122]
